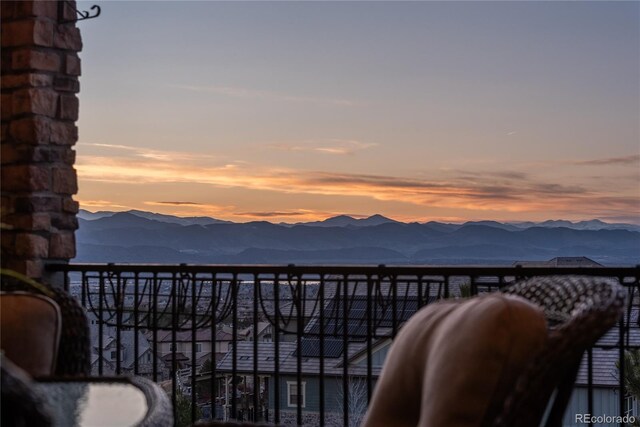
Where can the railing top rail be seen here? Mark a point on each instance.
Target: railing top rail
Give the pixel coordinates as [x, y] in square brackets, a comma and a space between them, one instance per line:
[414, 270]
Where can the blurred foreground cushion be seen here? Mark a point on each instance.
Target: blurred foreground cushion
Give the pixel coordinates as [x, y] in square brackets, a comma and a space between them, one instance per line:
[30, 331]
[455, 362]
[22, 404]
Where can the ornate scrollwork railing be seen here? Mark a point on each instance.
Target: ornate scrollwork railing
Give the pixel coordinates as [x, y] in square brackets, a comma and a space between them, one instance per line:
[268, 326]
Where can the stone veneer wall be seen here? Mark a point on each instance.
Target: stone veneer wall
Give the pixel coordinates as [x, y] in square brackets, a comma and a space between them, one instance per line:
[40, 69]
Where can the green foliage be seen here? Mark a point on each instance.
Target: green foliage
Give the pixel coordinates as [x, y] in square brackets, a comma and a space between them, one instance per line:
[465, 290]
[11, 274]
[632, 375]
[183, 411]
[632, 372]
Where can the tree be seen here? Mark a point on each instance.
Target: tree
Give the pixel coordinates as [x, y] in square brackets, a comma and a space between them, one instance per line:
[358, 402]
[632, 376]
[183, 410]
[465, 290]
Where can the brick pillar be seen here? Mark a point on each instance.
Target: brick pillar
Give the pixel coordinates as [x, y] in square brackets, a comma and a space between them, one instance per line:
[40, 69]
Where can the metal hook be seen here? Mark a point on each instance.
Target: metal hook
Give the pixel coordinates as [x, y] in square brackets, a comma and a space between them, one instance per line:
[82, 15]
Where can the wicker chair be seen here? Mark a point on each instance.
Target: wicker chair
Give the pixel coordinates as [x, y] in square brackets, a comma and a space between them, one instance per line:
[231, 424]
[75, 348]
[579, 310]
[22, 405]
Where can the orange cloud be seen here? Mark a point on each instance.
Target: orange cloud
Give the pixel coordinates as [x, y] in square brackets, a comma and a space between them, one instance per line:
[192, 208]
[174, 203]
[106, 204]
[506, 191]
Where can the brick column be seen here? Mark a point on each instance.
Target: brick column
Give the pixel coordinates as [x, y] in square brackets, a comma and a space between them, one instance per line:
[40, 69]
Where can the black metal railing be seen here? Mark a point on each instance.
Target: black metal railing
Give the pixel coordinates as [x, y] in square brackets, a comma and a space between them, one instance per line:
[286, 344]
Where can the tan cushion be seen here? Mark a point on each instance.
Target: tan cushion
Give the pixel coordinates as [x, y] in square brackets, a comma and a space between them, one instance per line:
[30, 331]
[454, 362]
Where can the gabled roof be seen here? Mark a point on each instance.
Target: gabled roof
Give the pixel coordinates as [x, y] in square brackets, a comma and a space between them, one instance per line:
[202, 335]
[106, 341]
[377, 345]
[561, 261]
[364, 319]
[288, 363]
[262, 326]
[200, 360]
[581, 261]
[605, 371]
[127, 344]
[180, 357]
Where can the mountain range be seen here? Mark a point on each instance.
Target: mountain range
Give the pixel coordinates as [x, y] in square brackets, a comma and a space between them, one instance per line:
[141, 237]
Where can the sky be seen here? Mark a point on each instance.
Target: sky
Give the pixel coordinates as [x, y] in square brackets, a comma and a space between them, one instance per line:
[419, 111]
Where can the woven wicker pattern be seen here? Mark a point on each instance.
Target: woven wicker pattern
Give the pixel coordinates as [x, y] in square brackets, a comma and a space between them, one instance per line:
[75, 347]
[579, 309]
[160, 412]
[231, 424]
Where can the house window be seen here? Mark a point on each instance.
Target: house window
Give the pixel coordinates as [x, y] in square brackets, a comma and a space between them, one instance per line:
[113, 354]
[292, 393]
[198, 348]
[630, 405]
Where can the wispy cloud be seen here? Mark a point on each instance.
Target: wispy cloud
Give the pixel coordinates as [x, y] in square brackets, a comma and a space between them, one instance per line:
[241, 92]
[192, 208]
[631, 160]
[290, 215]
[271, 214]
[154, 154]
[326, 146]
[93, 204]
[505, 175]
[174, 203]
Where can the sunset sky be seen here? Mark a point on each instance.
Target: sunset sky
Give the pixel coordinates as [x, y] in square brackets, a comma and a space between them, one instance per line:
[418, 111]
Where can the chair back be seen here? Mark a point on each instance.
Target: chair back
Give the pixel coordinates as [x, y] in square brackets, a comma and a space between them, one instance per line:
[74, 351]
[30, 331]
[579, 311]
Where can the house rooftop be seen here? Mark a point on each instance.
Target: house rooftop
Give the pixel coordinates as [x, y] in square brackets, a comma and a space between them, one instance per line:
[202, 335]
[288, 363]
[561, 261]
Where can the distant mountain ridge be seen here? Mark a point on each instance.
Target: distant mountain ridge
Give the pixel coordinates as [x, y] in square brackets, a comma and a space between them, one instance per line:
[594, 224]
[373, 220]
[189, 220]
[348, 221]
[137, 236]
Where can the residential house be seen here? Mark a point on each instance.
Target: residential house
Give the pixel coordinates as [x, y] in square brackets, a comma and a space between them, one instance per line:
[321, 359]
[122, 346]
[264, 332]
[605, 377]
[184, 349]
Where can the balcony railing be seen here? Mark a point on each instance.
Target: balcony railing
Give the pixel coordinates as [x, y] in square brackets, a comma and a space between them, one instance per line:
[294, 344]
